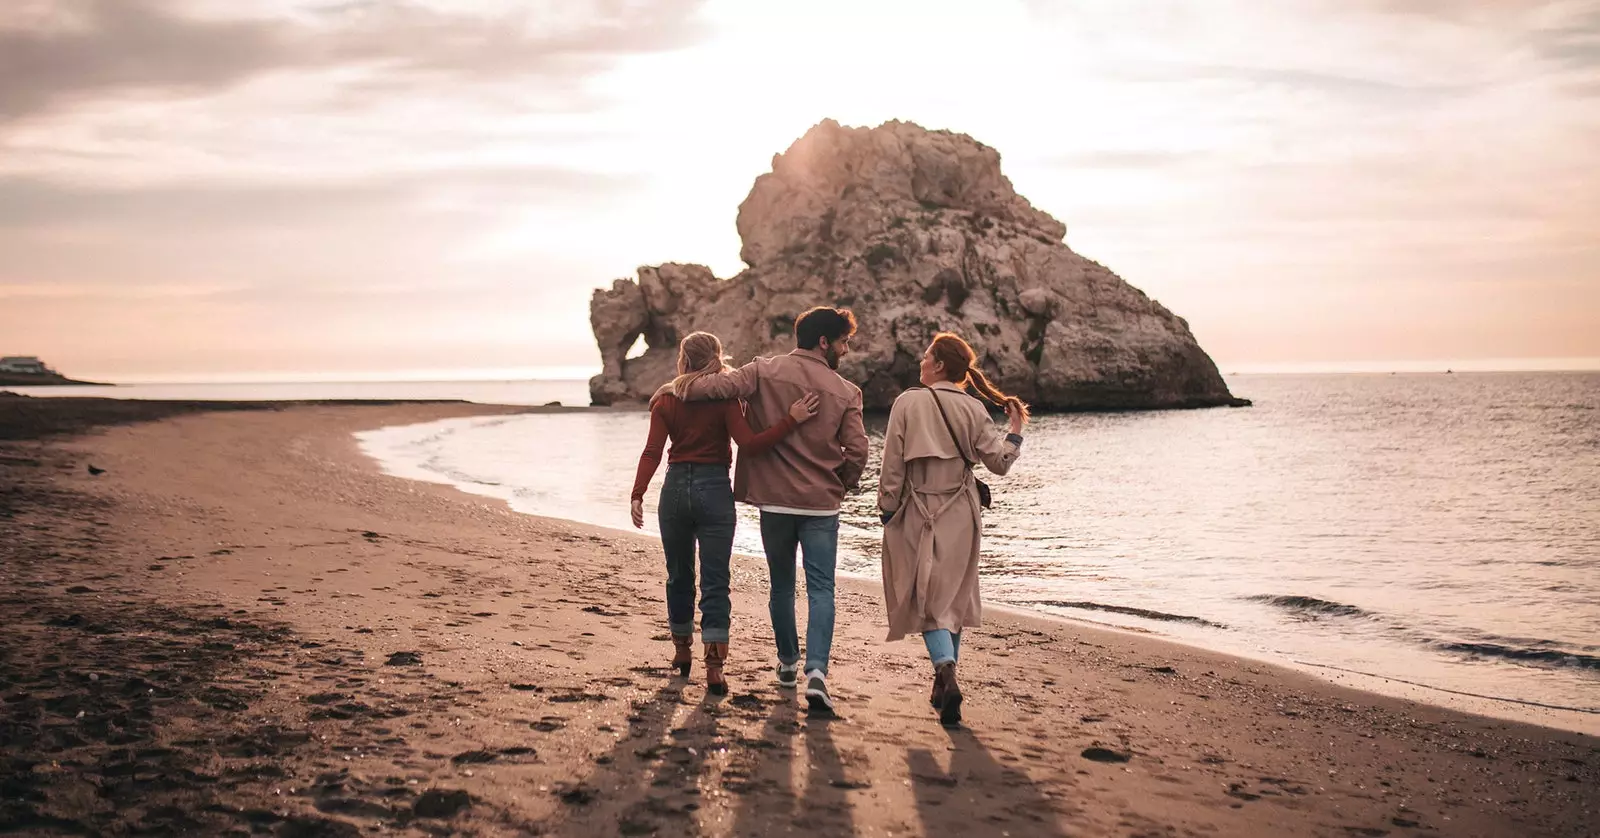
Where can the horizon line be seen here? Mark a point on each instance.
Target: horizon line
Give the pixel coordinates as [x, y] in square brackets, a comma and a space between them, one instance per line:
[1549, 364]
[585, 372]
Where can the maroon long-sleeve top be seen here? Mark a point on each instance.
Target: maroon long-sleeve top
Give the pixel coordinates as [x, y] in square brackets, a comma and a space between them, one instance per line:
[700, 433]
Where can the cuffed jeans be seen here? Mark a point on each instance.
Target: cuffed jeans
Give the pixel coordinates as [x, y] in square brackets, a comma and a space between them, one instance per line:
[944, 646]
[817, 537]
[697, 506]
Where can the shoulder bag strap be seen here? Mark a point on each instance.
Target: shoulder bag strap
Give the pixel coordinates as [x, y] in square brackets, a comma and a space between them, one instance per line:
[949, 427]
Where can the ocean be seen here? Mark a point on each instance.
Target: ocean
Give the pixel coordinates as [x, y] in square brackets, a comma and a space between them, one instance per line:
[1437, 531]
[1441, 531]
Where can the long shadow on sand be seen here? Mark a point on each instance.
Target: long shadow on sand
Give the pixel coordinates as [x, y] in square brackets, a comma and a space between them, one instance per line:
[977, 795]
[662, 775]
[772, 799]
[647, 783]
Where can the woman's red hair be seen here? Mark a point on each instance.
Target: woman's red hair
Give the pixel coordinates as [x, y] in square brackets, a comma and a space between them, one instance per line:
[961, 367]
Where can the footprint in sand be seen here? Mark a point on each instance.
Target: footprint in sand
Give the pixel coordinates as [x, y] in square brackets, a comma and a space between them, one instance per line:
[441, 803]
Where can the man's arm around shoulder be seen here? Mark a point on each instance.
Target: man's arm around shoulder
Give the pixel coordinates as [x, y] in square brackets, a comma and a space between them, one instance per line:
[733, 384]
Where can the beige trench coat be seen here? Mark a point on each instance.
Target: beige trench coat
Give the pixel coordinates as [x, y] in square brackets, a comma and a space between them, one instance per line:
[930, 546]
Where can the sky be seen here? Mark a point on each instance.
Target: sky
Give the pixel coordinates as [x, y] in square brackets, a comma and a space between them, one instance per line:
[230, 189]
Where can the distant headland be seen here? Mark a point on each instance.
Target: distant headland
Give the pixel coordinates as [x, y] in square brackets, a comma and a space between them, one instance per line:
[28, 371]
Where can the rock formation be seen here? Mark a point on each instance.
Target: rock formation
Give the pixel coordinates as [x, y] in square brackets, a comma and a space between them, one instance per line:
[917, 231]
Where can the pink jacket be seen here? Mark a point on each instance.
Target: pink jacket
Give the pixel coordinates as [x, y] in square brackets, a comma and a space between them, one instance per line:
[812, 467]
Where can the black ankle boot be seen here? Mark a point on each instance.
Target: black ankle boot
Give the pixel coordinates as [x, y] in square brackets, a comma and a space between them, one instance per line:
[949, 694]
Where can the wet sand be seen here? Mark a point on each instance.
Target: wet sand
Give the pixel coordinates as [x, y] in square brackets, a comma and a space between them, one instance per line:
[241, 627]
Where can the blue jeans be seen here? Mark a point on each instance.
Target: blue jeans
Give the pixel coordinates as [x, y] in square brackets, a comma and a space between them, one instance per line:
[697, 506]
[817, 537]
[944, 646]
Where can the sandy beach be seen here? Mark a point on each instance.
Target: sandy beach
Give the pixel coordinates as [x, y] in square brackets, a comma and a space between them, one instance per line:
[242, 627]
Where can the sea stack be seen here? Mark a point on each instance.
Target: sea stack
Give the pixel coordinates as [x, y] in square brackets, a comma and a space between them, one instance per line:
[917, 231]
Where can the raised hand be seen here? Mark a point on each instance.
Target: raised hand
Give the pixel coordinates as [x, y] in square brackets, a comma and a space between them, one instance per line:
[1014, 413]
[804, 408]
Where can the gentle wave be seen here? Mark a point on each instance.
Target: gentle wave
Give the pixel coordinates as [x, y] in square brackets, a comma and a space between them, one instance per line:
[1524, 655]
[1540, 653]
[1311, 605]
[1123, 609]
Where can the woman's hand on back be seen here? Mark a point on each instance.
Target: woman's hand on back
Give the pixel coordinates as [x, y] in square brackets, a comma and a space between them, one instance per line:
[636, 510]
[804, 408]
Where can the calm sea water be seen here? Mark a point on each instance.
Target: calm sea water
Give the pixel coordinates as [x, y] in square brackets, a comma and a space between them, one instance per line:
[1442, 530]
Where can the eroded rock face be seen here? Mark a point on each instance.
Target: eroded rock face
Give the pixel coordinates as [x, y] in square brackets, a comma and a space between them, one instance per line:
[917, 231]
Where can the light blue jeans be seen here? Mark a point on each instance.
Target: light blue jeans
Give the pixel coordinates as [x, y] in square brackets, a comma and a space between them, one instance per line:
[944, 646]
[817, 537]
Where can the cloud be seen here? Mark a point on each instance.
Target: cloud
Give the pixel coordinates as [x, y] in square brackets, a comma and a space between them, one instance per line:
[109, 292]
[1572, 41]
[412, 38]
[31, 202]
[1354, 47]
[130, 45]
[395, 236]
[1120, 159]
[1452, 10]
[1584, 89]
[106, 48]
[1352, 85]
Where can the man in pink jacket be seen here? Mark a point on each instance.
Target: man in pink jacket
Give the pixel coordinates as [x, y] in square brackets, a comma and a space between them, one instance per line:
[799, 484]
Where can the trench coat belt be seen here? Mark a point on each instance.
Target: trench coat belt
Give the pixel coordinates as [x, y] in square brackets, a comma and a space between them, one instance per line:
[924, 569]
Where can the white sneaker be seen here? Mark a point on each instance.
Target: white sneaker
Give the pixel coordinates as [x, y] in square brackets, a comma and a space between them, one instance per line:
[817, 691]
[786, 674]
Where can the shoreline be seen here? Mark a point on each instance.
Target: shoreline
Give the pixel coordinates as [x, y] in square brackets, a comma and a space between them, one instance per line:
[1556, 716]
[408, 656]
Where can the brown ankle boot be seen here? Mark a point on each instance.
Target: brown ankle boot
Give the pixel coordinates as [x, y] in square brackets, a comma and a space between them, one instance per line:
[683, 653]
[950, 694]
[936, 698]
[716, 654]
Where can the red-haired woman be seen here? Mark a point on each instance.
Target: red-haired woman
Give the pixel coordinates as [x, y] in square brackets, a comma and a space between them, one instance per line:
[928, 496]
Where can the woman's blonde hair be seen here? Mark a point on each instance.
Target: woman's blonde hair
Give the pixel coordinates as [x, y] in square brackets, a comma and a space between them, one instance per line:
[961, 367]
[699, 354]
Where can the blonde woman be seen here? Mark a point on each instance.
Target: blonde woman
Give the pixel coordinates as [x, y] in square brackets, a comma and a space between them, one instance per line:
[696, 505]
[930, 504]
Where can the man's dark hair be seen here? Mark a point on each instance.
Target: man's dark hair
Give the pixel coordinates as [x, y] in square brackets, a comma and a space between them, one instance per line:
[835, 324]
